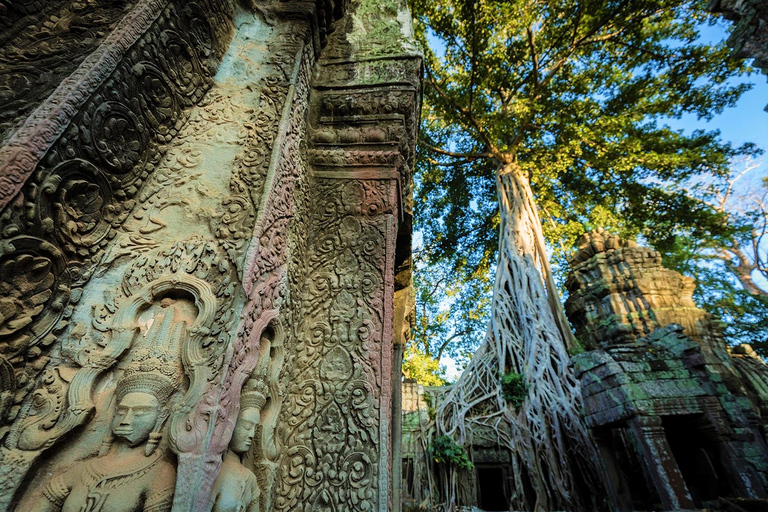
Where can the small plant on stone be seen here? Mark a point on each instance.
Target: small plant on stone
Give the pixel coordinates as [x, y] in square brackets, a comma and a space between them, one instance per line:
[577, 347]
[513, 389]
[445, 451]
[431, 408]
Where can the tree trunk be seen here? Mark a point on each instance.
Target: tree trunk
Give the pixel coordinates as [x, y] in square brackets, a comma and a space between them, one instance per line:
[555, 462]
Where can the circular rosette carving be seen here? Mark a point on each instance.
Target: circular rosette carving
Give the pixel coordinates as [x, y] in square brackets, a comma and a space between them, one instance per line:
[237, 219]
[119, 137]
[181, 64]
[159, 101]
[357, 467]
[74, 204]
[319, 335]
[34, 288]
[302, 401]
[200, 29]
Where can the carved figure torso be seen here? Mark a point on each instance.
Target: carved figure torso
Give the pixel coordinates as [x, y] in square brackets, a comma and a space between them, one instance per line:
[236, 489]
[112, 484]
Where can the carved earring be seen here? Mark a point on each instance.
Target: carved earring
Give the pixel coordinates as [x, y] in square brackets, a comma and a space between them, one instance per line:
[152, 442]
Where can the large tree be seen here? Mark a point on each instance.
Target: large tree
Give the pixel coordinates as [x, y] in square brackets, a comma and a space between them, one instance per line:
[730, 265]
[555, 110]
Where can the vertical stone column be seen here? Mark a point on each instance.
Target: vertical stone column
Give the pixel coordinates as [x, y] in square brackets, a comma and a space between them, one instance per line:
[648, 437]
[336, 421]
[342, 397]
[403, 306]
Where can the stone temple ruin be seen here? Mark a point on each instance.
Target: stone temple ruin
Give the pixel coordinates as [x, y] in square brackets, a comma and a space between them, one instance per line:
[205, 220]
[678, 418]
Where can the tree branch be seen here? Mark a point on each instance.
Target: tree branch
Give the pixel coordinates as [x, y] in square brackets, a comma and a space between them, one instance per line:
[452, 154]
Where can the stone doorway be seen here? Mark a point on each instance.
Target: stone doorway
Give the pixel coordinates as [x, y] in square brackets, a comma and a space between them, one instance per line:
[697, 456]
[492, 488]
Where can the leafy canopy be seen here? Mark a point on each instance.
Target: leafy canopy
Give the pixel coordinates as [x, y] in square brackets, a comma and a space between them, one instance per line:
[575, 93]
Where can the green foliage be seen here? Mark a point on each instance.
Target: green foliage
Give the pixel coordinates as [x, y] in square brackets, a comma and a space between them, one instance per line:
[431, 406]
[444, 451]
[513, 389]
[577, 347]
[422, 368]
[715, 258]
[451, 312]
[576, 93]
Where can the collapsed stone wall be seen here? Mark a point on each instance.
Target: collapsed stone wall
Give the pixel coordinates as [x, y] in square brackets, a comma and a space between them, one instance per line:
[663, 397]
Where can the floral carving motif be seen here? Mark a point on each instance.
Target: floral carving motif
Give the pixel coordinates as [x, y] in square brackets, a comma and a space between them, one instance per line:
[74, 171]
[332, 409]
[99, 135]
[119, 137]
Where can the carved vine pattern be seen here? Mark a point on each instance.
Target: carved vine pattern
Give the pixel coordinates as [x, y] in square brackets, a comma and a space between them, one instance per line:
[82, 190]
[330, 421]
[42, 46]
[56, 230]
[194, 267]
[279, 124]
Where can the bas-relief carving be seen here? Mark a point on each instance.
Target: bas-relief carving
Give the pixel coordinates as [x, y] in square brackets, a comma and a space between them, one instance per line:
[56, 230]
[170, 319]
[279, 223]
[161, 55]
[129, 473]
[42, 46]
[236, 488]
[331, 418]
[192, 420]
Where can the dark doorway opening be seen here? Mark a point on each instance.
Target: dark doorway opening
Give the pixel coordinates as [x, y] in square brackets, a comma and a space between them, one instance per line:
[627, 470]
[492, 488]
[408, 476]
[697, 457]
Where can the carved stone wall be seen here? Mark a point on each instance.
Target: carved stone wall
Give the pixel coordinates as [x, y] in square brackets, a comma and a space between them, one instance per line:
[661, 393]
[71, 174]
[165, 215]
[334, 426]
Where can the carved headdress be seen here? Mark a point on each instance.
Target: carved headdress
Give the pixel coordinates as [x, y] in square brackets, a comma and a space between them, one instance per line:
[156, 370]
[152, 375]
[253, 394]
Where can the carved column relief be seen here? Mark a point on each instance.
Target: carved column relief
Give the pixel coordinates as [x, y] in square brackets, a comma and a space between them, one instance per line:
[334, 437]
[334, 427]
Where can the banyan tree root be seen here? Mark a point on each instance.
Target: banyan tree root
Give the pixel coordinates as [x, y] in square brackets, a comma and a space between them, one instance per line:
[555, 462]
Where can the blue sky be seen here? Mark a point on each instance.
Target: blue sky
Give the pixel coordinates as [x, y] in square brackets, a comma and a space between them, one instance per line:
[747, 121]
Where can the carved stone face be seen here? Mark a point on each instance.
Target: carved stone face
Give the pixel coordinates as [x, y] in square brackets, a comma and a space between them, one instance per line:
[245, 429]
[135, 417]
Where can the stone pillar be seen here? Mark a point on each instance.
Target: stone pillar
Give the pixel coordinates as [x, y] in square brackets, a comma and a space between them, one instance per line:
[336, 419]
[649, 439]
[403, 308]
